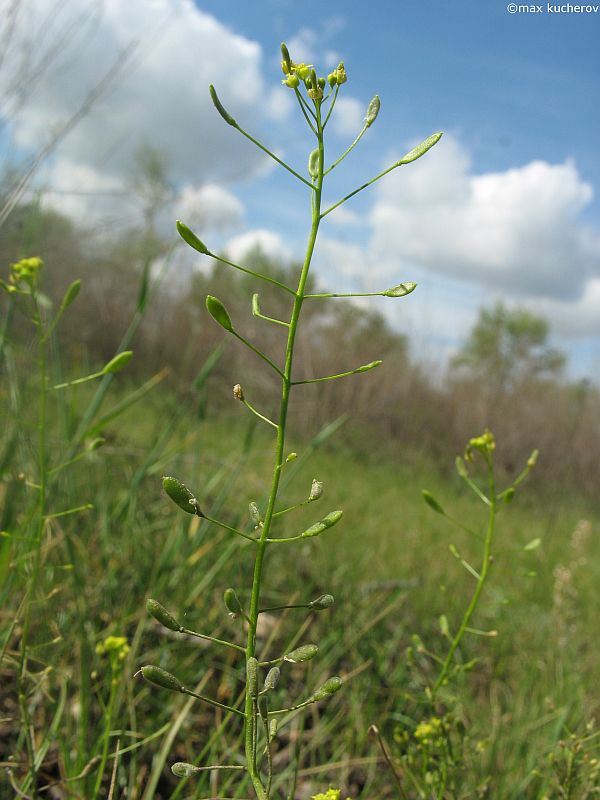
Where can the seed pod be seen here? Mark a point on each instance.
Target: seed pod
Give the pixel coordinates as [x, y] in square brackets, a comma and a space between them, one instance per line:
[117, 363]
[263, 708]
[330, 687]
[181, 495]
[303, 653]
[316, 490]
[460, 467]
[189, 237]
[272, 679]
[252, 676]
[182, 769]
[532, 460]
[272, 729]
[327, 522]
[432, 502]
[291, 457]
[254, 513]
[161, 615]
[218, 312]
[420, 149]
[372, 111]
[96, 444]
[509, 495]
[232, 603]
[162, 678]
[219, 106]
[71, 294]
[321, 603]
[313, 163]
[401, 290]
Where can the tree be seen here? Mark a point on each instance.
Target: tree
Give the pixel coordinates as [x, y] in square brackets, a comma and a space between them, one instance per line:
[507, 346]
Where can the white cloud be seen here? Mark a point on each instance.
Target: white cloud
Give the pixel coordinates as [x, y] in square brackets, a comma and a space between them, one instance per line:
[160, 99]
[208, 207]
[308, 45]
[517, 231]
[270, 244]
[348, 116]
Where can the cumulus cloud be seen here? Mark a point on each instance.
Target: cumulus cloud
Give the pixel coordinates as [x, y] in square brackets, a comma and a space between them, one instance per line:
[348, 116]
[517, 231]
[310, 44]
[160, 98]
[210, 207]
[269, 243]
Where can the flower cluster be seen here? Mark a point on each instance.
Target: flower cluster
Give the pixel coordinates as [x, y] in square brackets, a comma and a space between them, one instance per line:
[23, 273]
[116, 647]
[297, 72]
[484, 444]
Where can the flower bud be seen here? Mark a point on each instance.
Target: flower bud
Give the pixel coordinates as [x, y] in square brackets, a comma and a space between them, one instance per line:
[71, 294]
[286, 64]
[303, 653]
[293, 81]
[330, 687]
[189, 237]
[291, 457]
[532, 460]
[321, 83]
[332, 79]
[162, 678]
[218, 312]
[161, 615]
[238, 392]
[232, 603]
[341, 74]
[322, 602]
[372, 111]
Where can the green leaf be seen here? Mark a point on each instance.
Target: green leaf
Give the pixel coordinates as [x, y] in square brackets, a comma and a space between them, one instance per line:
[432, 502]
[420, 149]
[401, 290]
[189, 237]
[118, 362]
[218, 312]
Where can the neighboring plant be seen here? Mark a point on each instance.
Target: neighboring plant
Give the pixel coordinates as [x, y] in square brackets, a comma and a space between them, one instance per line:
[435, 748]
[316, 97]
[30, 542]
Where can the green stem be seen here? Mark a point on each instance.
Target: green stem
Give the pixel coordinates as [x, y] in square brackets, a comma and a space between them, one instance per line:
[489, 537]
[348, 150]
[279, 461]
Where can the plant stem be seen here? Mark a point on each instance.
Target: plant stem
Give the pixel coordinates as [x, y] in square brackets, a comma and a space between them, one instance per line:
[286, 386]
[487, 547]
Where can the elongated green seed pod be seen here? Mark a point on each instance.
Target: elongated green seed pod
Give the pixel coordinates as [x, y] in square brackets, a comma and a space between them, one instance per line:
[232, 603]
[70, 294]
[330, 687]
[420, 149]
[313, 163]
[219, 106]
[218, 312]
[322, 602]
[181, 495]
[272, 679]
[182, 769]
[189, 237]
[401, 290]
[118, 362]
[162, 678]
[303, 653]
[161, 615]
[252, 676]
[372, 111]
[327, 522]
[432, 502]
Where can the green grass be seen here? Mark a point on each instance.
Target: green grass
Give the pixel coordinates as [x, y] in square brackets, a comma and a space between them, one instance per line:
[387, 563]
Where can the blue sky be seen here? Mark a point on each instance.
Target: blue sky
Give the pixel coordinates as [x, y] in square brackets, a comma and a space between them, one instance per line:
[505, 207]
